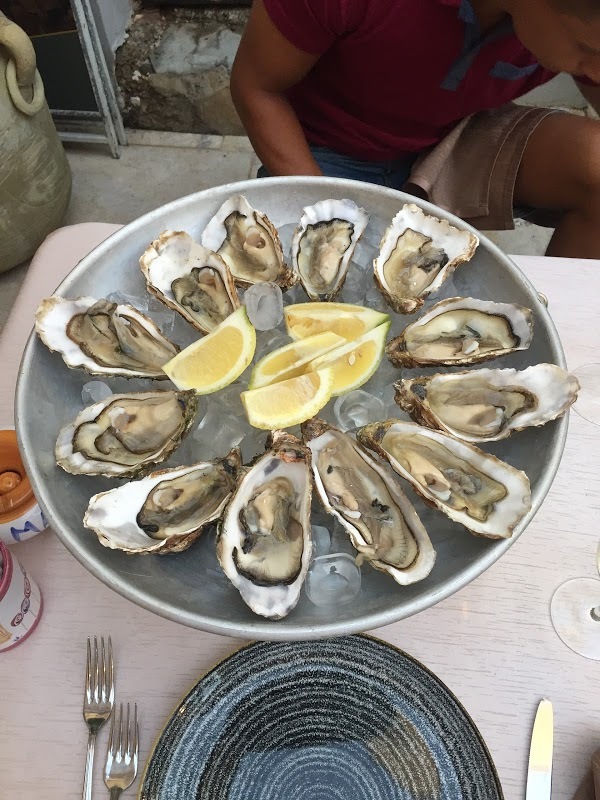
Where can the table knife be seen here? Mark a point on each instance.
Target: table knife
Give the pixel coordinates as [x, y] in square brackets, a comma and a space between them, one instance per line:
[539, 773]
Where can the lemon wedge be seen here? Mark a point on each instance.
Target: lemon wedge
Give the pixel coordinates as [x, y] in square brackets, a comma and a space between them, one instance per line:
[290, 402]
[216, 360]
[354, 362]
[291, 360]
[308, 319]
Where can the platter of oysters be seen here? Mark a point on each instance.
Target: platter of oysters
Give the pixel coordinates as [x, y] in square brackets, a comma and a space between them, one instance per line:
[325, 466]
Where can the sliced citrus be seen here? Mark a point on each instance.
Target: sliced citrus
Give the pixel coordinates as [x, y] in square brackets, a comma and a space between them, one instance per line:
[216, 360]
[291, 360]
[307, 319]
[290, 402]
[354, 362]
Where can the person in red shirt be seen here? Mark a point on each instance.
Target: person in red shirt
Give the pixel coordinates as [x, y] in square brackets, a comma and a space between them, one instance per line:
[417, 94]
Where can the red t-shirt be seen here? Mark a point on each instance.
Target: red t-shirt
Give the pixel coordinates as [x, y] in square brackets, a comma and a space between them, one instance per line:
[395, 76]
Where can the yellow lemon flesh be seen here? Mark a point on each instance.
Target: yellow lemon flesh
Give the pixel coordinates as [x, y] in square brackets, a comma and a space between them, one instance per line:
[354, 362]
[351, 322]
[291, 360]
[216, 360]
[290, 402]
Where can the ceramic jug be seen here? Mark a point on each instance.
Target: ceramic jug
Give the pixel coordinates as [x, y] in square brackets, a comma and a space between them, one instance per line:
[35, 179]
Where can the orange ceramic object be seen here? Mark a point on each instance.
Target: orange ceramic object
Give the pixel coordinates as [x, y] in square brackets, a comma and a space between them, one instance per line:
[16, 494]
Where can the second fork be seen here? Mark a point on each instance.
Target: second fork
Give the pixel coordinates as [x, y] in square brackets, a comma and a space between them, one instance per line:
[122, 755]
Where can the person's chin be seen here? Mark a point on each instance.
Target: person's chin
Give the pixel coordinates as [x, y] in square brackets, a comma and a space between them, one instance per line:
[552, 67]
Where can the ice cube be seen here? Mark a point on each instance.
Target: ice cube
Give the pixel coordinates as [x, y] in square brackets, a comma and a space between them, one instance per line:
[388, 395]
[332, 580]
[137, 301]
[355, 285]
[218, 432]
[229, 398]
[165, 320]
[365, 254]
[95, 392]
[321, 540]
[267, 342]
[340, 540]
[264, 304]
[374, 299]
[295, 294]
[358, 408]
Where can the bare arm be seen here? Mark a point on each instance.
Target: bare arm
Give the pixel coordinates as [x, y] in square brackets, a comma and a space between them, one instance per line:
[591, 94]
[265, 66]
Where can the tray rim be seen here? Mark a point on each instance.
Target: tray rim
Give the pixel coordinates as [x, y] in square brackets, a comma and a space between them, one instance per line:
[264, 629]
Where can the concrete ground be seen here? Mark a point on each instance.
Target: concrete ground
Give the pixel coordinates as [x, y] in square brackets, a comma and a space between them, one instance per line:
[156, 168]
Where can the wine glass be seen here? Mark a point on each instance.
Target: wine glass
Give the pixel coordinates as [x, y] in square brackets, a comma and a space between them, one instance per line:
[575, 613]
[588, 399]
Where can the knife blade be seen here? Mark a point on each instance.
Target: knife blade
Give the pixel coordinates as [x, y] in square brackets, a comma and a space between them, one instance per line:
[539, 773]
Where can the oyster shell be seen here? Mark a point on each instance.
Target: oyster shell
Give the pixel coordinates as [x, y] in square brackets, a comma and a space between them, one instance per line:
[381, 522]
[485, 405]
[103, 338]
[462, 330]
[126, 434]
[323, 244]
[417, 254]
[264, 542]
[478, 490]
[190, 279]
[248, 242]
[166, 511]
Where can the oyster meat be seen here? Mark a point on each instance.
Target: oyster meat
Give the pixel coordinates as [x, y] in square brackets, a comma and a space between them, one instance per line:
[166, 511]
[190, 279]
[418, 253]
[126, 434]
[103, 338]
[264, 542]
[248, 242]
[478, 490]
[381, 522]
[323, 244]
[485, 405]
[462, 330]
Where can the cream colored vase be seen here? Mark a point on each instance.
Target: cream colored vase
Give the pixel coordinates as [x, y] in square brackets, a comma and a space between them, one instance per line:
[35, 179]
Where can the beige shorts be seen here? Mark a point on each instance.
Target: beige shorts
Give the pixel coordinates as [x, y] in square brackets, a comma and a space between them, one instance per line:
[472, 172]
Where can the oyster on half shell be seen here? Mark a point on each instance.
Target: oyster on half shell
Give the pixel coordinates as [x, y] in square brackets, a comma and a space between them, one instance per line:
[166, 511]
[190, 279]
[264, 541]
[126, 434]
[462, 330]
[417, 254]
[485, 405]
[478, 490]
[381, 523]
[323, 245]
[103, 338]
[248, 242]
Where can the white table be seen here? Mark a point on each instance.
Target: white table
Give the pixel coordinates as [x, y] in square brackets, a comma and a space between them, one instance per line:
[492, 643]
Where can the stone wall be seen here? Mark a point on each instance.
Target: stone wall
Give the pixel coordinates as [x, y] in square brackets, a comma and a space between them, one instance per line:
[173, 71]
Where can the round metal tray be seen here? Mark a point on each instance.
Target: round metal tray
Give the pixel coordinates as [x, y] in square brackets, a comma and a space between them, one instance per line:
[186, 587]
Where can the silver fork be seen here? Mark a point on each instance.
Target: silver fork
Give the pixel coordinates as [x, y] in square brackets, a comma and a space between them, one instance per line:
[122, 756]
[98, 701]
